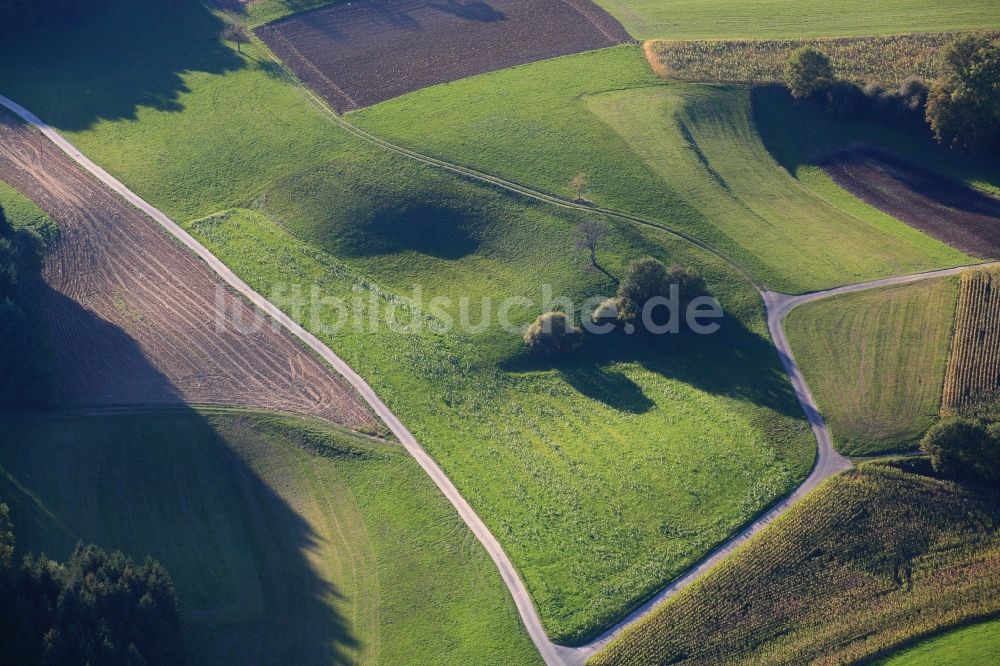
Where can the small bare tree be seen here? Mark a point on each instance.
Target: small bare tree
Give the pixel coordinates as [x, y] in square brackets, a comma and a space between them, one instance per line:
[590, 235]
[579, 183]
[238, 34]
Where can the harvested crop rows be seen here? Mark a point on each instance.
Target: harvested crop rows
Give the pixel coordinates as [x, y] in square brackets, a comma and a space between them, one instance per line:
[950, 211]
[974, 366]
[883, 59]
[134, 317]
[359, 53]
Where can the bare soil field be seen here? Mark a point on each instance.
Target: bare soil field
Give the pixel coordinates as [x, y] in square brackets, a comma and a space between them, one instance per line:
[948, 210]
[133, 314]
[361, 53]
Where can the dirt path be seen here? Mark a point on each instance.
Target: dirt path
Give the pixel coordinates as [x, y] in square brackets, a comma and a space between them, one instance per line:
[134, 315]
[40, 149]
[778, 306]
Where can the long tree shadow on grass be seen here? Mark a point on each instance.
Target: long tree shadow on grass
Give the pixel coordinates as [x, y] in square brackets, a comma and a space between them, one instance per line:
[164, 483]
[122, 57]
[734, 362]
[800, 133]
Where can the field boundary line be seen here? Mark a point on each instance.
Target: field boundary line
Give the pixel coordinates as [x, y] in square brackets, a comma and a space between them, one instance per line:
[508, 573]
[777, 305]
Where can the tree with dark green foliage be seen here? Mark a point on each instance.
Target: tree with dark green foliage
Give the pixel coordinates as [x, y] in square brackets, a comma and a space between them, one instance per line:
[807, 71]
[963, 105]
[24, 354]
[98, 608]
[6, 541]
[551, 334]
[964, 448]
[647, 278]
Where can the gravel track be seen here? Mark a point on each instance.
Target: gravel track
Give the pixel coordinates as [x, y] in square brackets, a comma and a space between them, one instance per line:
[778, 305]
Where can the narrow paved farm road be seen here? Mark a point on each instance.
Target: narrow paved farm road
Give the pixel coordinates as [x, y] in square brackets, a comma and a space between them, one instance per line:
[828, 461]
[521, 599]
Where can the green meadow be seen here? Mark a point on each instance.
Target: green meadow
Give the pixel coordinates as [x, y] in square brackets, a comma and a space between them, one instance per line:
[693, 19]
[603, 475]
[876, 360]
[288, 541]
[873, 559]
[700, 158]
[975, 644]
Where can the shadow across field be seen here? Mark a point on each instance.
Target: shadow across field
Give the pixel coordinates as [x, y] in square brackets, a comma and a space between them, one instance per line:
[733, 362]
[942, 207]
[138, 482]
[123, 57]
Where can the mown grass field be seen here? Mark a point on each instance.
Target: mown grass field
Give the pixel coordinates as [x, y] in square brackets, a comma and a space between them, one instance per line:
[687, 155]
[974, 366]
[876, 557]
[975, 644]
[604, 476]
[875, 361]
[883, 59]
[288, 541]
[692, 19]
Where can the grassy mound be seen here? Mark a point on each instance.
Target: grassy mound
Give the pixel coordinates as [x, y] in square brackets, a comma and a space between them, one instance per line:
[795, 18]
[876, 360]
[604, 476]
[875, 557]
[689, 156]
[288, 541]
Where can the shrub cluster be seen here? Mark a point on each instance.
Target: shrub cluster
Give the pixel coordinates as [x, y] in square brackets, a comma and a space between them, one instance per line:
[646, 278]
[553, 333]
[97, 608]
[961, 105]
[883, 59]
[965, 448]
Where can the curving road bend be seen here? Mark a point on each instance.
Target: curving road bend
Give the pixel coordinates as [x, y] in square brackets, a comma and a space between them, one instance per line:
[828, 461]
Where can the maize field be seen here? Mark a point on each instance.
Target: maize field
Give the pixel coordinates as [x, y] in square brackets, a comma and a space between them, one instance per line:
[886, 59]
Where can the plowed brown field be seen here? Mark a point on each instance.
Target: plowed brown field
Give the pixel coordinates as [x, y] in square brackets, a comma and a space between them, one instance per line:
[134, 315]
[359, 53]
[947, 210]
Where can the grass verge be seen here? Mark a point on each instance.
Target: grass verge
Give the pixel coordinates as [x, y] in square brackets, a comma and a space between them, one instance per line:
[874, 558]
[975, 644]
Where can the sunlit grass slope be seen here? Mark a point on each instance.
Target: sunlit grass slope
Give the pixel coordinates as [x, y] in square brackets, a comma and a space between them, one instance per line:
[687, 155]
[288, 541]
[874, 558]
[604, 475]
